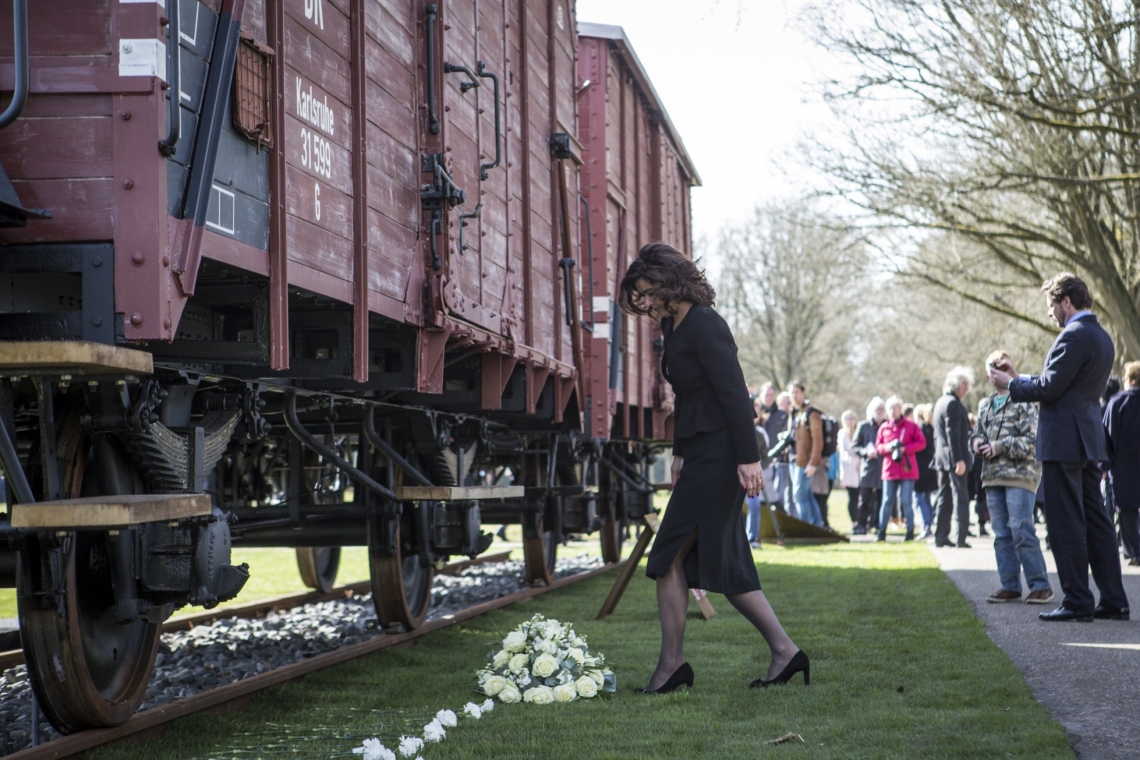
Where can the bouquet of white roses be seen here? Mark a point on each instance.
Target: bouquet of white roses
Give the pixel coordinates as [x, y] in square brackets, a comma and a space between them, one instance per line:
[544, 661]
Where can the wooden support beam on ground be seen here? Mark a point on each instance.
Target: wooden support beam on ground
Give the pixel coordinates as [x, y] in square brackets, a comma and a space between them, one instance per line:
[703, 603]
[109, 511]
[458, 493]
[652, 523]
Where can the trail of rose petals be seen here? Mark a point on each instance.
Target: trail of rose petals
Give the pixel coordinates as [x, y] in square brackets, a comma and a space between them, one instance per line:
[373, 749]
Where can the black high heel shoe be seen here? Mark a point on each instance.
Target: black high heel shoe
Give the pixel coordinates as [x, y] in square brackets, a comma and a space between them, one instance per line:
[682, 676]
[798, 663]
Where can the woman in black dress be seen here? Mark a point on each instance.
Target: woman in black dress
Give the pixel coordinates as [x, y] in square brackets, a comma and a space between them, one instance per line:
[702, 542]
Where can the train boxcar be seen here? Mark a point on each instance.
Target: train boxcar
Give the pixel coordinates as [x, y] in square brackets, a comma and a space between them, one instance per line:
[309, 273]
[636, 181]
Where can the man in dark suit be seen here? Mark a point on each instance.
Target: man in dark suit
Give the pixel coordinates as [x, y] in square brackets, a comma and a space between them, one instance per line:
[1122, 426]
[1070, 444]
[952, 457]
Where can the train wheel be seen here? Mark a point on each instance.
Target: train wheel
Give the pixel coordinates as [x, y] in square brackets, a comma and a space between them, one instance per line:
[87, 670]
[401, 587]
[318, 566]
[539, 555]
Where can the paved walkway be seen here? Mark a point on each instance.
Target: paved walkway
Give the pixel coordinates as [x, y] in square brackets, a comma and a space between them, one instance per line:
[1086, 675]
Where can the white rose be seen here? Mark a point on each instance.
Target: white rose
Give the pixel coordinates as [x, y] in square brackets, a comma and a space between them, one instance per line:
[502, 657]
[575, 654]
[518, 663]
[552, 628]
[433, 732]
[565, 693]
[515, 641]
[510, 694]
[410, 745]
[545, 666]
[539, 695]
[578, 641]
[590, 662]
[597, 676]
[586, 687]
[494, 685]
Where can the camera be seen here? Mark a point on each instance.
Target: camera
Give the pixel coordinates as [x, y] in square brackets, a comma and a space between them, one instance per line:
[898, 452]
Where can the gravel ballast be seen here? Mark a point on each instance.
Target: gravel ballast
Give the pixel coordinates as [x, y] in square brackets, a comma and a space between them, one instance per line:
[211, 655]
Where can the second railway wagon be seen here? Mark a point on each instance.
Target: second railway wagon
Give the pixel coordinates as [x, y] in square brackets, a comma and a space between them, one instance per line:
[312, 273]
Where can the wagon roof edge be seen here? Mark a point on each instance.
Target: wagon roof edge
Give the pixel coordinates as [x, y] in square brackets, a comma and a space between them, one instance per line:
[617, 35]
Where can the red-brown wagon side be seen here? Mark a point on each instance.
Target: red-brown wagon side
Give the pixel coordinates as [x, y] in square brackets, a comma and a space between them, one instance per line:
[314, 275]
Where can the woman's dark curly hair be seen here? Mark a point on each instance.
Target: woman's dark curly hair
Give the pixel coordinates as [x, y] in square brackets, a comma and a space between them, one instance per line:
[674, 277]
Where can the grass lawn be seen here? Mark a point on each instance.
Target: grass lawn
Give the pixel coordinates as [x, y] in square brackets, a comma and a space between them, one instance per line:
[901, 668]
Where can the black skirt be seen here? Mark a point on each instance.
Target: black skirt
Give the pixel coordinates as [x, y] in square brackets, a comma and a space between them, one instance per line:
[707, 506]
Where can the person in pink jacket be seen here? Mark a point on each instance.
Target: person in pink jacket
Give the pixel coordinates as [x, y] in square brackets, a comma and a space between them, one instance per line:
[897, 442]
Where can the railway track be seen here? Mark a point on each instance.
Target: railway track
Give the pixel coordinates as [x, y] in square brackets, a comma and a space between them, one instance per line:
[234, 695]
[263, 607]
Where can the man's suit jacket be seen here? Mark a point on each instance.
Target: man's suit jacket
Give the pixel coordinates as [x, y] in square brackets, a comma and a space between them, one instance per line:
[1122, 426]
[951, 433]
[1068, 389]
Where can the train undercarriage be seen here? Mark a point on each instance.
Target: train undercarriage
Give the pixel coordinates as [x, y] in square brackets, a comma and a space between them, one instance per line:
[274, 464]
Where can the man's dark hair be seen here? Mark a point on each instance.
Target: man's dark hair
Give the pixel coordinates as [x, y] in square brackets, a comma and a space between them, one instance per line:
[1068, 285]
[672, 275]
[798, 384]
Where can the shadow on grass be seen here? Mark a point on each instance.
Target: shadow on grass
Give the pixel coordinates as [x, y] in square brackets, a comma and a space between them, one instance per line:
[901, 667]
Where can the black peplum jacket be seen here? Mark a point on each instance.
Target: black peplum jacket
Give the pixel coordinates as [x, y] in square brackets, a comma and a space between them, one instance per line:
[700, 363]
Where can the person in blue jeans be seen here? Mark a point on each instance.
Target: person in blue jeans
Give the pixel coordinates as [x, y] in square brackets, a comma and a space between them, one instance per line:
[897, 442]
[1006, 438]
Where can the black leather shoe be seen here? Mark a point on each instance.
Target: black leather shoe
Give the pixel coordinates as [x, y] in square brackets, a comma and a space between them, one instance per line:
[1065, 615]
[964, 545]
[1110, 613]
[943, 543]
[682, 676]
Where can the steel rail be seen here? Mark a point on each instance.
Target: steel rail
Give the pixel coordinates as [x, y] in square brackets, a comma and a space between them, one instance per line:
[256, 609]
[237, 693]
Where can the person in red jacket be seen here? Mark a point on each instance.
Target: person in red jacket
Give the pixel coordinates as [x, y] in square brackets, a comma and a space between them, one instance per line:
[897, 442]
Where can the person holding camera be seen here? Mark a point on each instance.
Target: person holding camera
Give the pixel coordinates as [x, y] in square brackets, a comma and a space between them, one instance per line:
[897, 442]
[1005, 441]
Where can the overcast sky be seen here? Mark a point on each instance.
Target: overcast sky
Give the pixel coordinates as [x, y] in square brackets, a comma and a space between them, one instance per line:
[736, 78]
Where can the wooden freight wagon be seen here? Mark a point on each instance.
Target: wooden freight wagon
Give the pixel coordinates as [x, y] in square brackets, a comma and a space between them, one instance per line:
[636, 179]
[308, 273]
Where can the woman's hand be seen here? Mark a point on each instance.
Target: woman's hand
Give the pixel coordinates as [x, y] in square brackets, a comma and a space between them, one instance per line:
[751, 478]
[678, 463]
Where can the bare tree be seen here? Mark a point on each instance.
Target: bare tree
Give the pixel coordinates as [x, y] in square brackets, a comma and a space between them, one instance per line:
[788, 278]
[1014, 124]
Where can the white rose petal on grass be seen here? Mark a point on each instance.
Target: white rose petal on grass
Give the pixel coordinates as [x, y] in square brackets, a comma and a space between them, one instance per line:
[494, 685]
[472, 710]
[545, 666]
[515, 641]
[447, 718]
[374, 750]
[510, 694]
[587, 687]
[518, 663]
[433, 732]
[488, 705]
[539, 695]
[566, 692]
[410, 745]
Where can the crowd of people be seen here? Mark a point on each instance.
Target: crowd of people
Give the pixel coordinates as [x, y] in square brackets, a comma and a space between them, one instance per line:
[908, 462]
